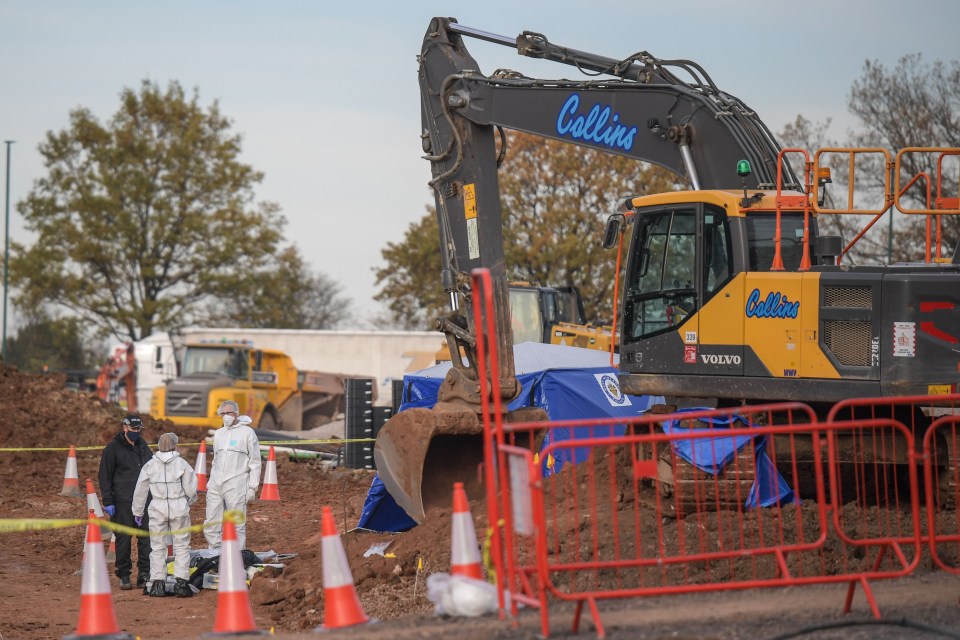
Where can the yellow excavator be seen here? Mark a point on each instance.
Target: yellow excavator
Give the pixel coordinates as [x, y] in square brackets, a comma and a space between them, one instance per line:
[729, 291]
[552, 315]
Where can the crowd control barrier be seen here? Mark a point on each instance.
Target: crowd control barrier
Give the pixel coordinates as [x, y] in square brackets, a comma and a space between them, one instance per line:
[710, 500]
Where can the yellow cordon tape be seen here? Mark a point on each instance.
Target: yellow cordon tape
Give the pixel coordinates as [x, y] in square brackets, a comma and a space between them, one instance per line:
[14, 525]
[291, 443]
[487, 554]
[10, 525]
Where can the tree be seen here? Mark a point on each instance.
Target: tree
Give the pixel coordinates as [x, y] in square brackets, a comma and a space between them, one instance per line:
[411, 277]
[288, 296]
[147, 221]
[53, 344]
[555, 198]
[913, 105]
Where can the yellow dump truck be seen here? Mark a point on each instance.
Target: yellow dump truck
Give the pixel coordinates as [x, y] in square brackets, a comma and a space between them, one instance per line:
[265, 383]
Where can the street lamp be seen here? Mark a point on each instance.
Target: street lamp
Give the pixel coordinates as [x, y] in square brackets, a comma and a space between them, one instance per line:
[6, 254]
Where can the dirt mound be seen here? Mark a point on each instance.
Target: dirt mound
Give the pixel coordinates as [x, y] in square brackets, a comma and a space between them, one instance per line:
[388, 586]
[39, 411]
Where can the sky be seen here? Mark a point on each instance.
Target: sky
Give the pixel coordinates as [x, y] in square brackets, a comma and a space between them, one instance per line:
[325, 94]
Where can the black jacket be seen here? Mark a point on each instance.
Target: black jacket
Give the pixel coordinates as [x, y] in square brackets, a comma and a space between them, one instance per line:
[120, 466]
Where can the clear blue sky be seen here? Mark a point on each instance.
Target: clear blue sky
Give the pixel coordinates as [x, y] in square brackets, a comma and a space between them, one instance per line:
[325, 93]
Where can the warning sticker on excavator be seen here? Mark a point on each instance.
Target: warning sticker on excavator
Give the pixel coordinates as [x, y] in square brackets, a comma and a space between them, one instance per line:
[469, 201]
[905, 339]
[470, 214]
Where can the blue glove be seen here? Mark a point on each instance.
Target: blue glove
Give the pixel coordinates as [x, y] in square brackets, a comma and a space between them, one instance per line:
[110, 510]
[138, 520]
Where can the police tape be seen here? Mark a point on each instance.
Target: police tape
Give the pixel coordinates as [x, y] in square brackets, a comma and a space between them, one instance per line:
[290, 443]
[19, 525]
[487, 550]
[294, 443]
[13, 525]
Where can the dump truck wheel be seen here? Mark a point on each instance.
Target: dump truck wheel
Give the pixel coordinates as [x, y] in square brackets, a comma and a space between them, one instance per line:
[268, 421]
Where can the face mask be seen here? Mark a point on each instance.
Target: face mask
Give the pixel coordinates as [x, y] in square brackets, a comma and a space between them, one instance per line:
[133, 436]
[228, 421]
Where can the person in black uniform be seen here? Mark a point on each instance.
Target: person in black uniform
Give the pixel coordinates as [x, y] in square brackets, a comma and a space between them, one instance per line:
[120, 466]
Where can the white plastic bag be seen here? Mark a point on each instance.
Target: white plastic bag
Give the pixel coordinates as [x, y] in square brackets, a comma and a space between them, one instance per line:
[460, 596]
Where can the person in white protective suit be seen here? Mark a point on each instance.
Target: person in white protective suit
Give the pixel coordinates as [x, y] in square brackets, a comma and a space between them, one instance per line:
[234, 474]
[172, 483]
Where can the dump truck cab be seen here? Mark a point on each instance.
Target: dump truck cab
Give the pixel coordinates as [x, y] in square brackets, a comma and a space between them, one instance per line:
[265, 384]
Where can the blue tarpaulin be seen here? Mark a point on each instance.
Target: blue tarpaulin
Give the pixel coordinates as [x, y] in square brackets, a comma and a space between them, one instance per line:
[711, 455]
[566, 382]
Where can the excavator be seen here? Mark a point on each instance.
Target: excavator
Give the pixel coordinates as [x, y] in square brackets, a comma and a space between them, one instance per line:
[730, 292]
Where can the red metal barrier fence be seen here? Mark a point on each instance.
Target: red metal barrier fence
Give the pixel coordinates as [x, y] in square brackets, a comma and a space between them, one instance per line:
[942, 475]
[710, 500]
[932, 421]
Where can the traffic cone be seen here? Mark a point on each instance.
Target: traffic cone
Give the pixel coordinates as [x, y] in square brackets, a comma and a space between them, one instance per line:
[341, 605]
[464, 550]
[270, 489]
[234, 613]
[200, 468]
[83, 557]
[97, 619]
[71, 481]
[93, 505]
[112, 549]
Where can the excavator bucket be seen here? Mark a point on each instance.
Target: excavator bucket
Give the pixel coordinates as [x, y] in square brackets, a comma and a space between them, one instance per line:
[420, 453]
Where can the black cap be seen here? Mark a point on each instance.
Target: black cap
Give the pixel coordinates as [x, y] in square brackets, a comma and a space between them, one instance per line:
[133, 420]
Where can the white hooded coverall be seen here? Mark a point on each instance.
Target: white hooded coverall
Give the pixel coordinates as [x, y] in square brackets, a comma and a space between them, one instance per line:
[173, 484]
[234, 478]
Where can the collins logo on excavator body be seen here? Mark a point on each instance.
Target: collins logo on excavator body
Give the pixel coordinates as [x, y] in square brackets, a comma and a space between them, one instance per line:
[775, 305]
[601, 124]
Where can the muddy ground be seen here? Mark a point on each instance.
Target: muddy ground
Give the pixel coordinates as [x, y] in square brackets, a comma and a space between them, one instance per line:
[40, 591]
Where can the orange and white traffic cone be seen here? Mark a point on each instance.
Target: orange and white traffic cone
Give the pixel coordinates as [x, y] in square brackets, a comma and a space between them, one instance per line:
[97, 619]
[83, 558]
[71, 481]
[270, 489]
[93, 502]
[234, 613]
[464, 550]
[341, 605]
[200, 467]
[112, 549]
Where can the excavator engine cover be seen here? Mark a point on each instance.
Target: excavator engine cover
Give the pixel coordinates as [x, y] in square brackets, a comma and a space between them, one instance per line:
[420, 453]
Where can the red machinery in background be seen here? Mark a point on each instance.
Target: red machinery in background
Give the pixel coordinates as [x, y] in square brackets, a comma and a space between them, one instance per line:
[117, 378]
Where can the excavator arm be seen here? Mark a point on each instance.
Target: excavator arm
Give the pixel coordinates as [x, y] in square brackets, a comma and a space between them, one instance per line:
[636, 107]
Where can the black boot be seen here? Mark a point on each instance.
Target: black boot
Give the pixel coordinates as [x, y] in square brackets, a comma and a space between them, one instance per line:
[159, 589]
[182, 589]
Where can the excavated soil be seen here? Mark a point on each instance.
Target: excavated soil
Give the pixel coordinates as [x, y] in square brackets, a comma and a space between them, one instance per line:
[40, 588]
